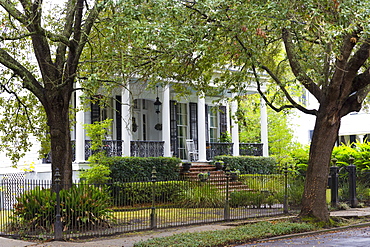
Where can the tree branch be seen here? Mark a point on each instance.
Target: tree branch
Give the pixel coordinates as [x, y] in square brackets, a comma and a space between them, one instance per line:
[29, 81]
[20, 102]
[14, 12]
[286, 93]
[296, 67]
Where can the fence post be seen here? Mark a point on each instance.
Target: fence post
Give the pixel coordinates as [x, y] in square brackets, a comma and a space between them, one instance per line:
[352, 183]
[58, 227]
[153, 218]
[227, 203]
[285, 206]
[334, 184]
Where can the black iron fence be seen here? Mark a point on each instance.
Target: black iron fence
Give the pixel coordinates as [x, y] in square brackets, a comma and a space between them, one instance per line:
[40, 209]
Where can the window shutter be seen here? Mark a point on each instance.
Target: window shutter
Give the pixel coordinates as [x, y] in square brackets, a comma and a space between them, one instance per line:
[119, 117]
[173, 128]
[95, 112]
[223, 120]
[193, 109]
[207, 126]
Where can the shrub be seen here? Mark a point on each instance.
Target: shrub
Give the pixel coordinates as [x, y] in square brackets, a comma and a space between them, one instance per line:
[201, 196]
[134, 193]
[295, 191]
[272, 182]
[82, 206]
[250, 164]
[139, 167]
[98, 173]
[253, 199]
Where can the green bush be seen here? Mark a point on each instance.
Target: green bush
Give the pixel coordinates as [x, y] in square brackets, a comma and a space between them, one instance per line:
[271, 182]
[295, 191]
[250, 164]
[135, 168]
[136, 193]
[82, 206]
[254, 199]
[201, 196]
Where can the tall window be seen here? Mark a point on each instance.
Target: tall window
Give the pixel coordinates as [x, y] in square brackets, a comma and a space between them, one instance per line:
[213, 123]
[182, 129]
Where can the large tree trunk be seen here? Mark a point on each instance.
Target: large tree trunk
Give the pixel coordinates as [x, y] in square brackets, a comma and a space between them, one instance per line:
[323, 141]
[57, 111]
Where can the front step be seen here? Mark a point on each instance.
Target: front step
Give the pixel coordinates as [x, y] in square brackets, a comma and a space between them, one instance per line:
[216, 178]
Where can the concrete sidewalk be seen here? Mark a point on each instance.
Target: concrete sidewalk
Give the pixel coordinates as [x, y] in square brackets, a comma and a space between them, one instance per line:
[129, 239]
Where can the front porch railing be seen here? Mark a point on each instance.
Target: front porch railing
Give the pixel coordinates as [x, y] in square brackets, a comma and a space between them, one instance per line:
[218, 148]
[156, 149]
[147, 148]
[252, 149]
[111, 147]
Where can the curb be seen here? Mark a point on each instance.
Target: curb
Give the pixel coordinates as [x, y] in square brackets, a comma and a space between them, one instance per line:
[302, 234]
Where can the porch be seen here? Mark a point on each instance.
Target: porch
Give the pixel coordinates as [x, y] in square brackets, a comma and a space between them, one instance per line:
[156, 149]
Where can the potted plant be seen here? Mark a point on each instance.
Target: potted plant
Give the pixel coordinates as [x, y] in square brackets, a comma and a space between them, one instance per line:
[186, 166]
[219, 165]
[203, 176]
[234, 175]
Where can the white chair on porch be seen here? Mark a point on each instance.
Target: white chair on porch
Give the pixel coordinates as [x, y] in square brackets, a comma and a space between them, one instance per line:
[192, 152]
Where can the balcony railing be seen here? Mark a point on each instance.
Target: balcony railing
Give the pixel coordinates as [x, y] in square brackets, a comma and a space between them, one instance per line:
[147, 148]
[252, 149]
[156, 149]
[111, 148]
[218, 148]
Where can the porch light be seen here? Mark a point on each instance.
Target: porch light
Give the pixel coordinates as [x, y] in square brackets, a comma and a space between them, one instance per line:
[157, 104]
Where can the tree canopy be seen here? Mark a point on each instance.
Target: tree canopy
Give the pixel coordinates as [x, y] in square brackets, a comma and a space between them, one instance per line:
[323, 44]
[40, 51]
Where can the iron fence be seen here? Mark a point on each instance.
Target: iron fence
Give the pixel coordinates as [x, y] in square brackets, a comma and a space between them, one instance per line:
[40, 209]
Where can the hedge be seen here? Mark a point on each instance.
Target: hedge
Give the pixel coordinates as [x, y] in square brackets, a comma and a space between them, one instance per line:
[250, 164]
[136, 193]
[139, 168]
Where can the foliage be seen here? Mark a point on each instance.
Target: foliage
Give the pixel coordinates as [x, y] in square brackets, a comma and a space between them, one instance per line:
[39, 59]
[136, 193]
[204, 195]
[321, 47]
[250, 164]
[280, 134]
[295, 191]
[360, 152]
[299, 159]
[98, 173]
[240, 234]
[82, 206]
[140, 168]
[203, 175]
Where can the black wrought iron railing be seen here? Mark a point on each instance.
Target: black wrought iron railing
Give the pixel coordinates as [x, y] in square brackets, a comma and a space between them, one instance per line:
[111, 147]
[252, 149]
[129, 205]
[218, 148]
[147, 148]
[156, 149]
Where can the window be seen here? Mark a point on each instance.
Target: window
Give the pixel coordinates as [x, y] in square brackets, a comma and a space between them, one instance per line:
[213, 123]
[182, 129]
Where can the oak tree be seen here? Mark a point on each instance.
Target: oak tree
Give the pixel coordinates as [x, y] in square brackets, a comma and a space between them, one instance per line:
[40, 48]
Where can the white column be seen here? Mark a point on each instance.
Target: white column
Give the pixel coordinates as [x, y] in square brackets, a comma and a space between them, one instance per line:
[361, 137]
[234, 128]
[126, 121]
[264, 133]
[166, 137]
[80, 132]
[202, 128]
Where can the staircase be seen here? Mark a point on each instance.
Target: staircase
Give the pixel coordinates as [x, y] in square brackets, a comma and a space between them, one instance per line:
[216, 178]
